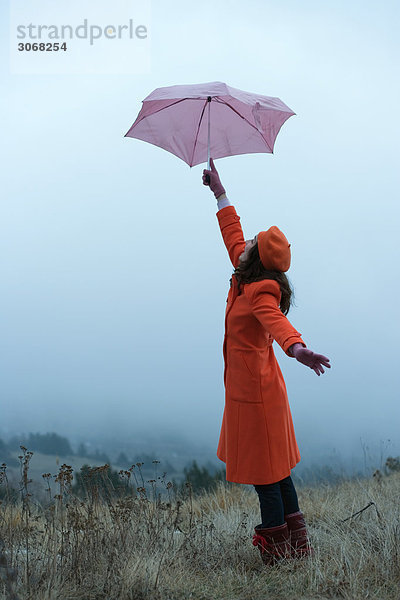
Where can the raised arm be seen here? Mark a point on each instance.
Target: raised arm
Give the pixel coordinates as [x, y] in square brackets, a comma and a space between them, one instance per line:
[232, 234]
[229, 220]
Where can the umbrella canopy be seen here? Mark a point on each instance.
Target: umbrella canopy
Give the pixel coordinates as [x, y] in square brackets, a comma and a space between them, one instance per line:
[193, 120]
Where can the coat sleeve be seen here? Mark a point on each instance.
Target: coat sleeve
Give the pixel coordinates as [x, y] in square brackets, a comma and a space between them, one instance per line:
[264, 298]
[232, 233]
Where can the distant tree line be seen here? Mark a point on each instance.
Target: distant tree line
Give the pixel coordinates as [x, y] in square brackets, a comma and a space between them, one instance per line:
[48, 443]
[58, 445]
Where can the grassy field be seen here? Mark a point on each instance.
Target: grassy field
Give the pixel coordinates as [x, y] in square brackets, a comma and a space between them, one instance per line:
[183, 547]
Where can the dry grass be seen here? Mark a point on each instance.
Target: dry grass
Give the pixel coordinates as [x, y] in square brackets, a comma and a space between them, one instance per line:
[175, 548]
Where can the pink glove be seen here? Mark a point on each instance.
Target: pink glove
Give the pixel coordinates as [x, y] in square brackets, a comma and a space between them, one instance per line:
[310, 358]
[211, 178]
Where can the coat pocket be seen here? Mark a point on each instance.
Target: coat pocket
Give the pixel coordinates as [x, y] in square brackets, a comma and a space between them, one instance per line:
[243, 376]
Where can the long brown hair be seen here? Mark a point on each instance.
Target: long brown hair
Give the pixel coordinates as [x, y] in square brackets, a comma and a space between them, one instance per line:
[252, 269]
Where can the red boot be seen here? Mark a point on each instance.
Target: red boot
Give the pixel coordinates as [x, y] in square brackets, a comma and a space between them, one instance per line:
[273, 543]
[299, 540]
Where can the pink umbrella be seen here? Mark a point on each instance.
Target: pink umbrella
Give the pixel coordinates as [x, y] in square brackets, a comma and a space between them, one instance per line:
[174, 118]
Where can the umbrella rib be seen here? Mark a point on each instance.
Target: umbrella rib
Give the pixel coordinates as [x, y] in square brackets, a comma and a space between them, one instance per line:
[247, 121]
[158, 110]
[197, 133]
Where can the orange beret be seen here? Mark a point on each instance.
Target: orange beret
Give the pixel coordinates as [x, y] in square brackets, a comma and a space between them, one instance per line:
[274, 249]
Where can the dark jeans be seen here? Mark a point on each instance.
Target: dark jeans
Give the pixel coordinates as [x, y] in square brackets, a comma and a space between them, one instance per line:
[276, 500]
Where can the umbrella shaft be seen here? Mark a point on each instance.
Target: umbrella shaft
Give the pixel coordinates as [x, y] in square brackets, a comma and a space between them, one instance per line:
[208, 149]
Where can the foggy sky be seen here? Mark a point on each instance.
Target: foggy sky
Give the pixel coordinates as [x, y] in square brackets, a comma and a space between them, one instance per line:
[114, 275]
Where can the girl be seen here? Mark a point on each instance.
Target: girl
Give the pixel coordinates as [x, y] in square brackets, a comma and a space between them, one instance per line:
[257, 440]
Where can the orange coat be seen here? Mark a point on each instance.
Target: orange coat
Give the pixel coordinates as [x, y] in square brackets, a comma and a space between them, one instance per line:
[257, 440]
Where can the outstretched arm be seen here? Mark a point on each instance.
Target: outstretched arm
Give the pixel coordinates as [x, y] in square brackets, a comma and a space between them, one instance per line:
[264, 298]
[309, 358]
[229, 220]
